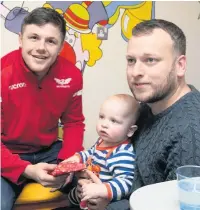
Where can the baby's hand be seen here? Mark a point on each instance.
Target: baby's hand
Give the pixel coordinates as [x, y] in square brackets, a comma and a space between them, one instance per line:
[93, 190]
[73, 158]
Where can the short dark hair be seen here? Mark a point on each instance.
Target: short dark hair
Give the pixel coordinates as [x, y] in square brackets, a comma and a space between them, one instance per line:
[173, 30]
[41, 16]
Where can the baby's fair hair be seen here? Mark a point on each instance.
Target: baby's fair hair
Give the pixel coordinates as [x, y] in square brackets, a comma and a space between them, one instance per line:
[131, 106]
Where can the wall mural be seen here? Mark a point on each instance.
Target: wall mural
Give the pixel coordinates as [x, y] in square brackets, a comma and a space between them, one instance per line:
[88, 24]
[83, 21]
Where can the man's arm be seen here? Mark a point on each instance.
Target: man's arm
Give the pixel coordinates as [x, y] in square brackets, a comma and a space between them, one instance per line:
[11, 165]
[185, 151]
[18, 170]
[72, 120]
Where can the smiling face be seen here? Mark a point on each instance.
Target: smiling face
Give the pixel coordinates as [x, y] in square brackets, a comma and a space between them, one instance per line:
[40, 46]
[116, 120]
[151, 69]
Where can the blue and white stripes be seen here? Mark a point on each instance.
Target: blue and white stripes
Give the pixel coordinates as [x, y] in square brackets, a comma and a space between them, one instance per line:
[117, 167]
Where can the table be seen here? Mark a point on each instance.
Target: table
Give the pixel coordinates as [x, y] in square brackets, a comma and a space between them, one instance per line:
[160, 196]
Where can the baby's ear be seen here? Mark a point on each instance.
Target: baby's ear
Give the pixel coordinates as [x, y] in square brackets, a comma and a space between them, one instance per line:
[132, 130]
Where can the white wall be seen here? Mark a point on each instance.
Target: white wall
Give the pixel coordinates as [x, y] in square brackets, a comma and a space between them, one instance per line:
[185, 14]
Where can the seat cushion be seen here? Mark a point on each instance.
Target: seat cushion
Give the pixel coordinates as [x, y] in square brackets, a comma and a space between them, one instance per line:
[34, 192]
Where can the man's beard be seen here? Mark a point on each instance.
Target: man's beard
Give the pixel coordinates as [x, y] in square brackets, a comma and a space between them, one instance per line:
[161, 92]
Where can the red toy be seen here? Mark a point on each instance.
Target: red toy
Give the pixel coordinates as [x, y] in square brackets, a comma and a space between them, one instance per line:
[67, 167]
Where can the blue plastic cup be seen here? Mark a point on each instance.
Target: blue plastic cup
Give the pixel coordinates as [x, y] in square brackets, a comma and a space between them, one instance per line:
[188, 178]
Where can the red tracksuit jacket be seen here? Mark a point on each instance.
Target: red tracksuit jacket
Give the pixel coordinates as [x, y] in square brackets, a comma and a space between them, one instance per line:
[30, 110]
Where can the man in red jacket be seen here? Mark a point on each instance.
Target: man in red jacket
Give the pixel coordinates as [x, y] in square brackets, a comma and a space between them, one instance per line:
[38, 88]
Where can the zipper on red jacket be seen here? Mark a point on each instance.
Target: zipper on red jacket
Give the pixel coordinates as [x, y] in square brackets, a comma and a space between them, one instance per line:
[39, 85]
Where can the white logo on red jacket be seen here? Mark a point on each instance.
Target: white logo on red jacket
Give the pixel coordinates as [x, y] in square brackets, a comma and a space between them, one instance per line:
[63, 83]
[18, 85]
[78, 93]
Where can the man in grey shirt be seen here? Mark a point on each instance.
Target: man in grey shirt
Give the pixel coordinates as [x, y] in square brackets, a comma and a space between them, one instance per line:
[168, 134]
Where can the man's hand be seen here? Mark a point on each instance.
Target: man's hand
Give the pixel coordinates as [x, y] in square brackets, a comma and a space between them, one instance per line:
[93, 190]
[97, 203]
[40, 173]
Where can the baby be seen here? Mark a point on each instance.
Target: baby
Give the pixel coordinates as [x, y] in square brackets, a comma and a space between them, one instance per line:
[112, 157]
